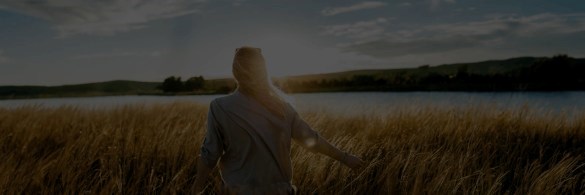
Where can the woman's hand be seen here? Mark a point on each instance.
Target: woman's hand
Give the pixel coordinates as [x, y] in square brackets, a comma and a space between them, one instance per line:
[353, 162]
[202, 176]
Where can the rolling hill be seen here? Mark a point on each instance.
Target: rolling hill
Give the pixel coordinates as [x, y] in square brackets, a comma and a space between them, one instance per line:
[481, 68]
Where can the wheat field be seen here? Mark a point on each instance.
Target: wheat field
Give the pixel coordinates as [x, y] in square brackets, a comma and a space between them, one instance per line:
[152, 149]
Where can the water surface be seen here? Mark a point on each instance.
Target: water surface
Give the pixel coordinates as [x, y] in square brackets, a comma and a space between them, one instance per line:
[355, 102]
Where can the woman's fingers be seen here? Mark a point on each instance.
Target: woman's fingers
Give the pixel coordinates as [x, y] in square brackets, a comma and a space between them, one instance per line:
[354, 162]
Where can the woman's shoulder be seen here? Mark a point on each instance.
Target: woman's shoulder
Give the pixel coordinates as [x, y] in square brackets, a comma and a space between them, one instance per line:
[227, 99]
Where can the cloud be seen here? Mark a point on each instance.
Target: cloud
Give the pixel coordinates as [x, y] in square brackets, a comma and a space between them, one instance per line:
[490, 32]
[331, 11]
[3, 57]
[91, 17]
[118, 54]
[539, 24]
[393, 48]
[237, 3]
[435, 4]
[358, 30]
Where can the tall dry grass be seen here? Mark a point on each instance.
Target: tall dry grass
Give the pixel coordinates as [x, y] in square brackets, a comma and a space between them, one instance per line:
[152, 149]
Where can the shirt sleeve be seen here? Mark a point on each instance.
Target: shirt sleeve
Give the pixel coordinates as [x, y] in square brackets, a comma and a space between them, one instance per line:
[212, 147]
[301, 132]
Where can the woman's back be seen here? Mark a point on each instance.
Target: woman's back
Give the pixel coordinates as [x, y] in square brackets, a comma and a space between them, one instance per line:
[255, 143]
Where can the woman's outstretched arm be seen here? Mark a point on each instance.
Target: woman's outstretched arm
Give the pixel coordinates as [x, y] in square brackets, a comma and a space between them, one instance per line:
[324, 147]
[305, 136]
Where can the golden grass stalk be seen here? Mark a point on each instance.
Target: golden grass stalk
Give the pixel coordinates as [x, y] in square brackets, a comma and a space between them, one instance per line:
[148, 149]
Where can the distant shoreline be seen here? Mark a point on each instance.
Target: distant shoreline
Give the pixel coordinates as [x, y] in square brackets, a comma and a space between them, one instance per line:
[524, 74]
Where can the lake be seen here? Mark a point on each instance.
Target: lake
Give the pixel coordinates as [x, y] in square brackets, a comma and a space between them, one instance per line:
[357, 102]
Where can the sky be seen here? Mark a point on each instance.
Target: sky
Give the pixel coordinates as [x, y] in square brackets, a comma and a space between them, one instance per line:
[56, 42]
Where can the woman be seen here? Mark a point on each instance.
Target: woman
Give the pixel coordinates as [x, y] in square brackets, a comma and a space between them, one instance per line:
[250, 131]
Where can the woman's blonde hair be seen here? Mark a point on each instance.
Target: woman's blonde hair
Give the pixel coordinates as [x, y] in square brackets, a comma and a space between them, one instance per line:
[249, 69]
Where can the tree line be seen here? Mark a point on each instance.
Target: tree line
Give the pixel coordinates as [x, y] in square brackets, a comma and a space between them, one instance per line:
[174, 84]
[557, 73]
[560, 72]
